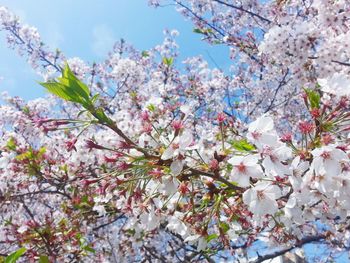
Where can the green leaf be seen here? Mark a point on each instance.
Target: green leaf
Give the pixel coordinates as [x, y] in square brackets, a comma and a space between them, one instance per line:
[224, 226]
[77, 86]
[204, 31]
[15, 255]
[11, 144]
[101, 116]
[61, 91]
[145, 54]
[198, 31]
[211, 237]
[131, 231]
[68, 74]
[41, 151]
[26, 110]
[69, 87]
[133, 94]
[89, 249]
[44, 259]
[279, 213]
[81, 112]
[327, 126]
[28, 155]
[314, 98]
[168, 61]
[242, 145]
[151, 107]
[95, 98]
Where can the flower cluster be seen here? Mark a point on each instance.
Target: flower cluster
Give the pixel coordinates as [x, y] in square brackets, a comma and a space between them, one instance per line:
[134, 157]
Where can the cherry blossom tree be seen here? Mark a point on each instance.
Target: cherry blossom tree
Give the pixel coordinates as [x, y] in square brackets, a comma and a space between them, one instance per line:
[136, 158]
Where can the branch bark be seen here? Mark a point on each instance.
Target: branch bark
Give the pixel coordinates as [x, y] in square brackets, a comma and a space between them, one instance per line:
[300, 243]
[240, 8]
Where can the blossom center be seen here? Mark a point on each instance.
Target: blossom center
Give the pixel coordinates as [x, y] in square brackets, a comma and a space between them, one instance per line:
[256, 135]
[175, 146]
[260, 194]
[326, 155]
[241, 168]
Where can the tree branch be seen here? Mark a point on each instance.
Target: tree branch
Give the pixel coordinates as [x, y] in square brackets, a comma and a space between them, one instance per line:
[300, 243]
[280, 85]
[109, 223]
[240, 8]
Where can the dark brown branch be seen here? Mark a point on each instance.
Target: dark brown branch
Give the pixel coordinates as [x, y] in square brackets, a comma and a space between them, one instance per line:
[334, 61]
[109, 223]
[280, 85]
[200, 18]
[240, 8]
[31, 50]
[300, 243]
[154, 254]
[41, 192]
[43, 238]
[113, 126]
[215, 177]
[341, 63]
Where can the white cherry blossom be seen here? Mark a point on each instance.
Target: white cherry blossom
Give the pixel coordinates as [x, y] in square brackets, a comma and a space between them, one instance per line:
[244, 168]
[261, 199]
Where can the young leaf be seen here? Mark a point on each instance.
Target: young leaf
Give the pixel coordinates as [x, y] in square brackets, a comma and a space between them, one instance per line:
[70, 88]
[224, 227]
[204, 31]
[89, 249]
[76, 87]
[198, 31]
[60, 91]
[11, 144]
[168, 61]
[211, 237]
[15, 255]
[95, 98]
[44, 259]
[242, 145]
[101, 116]
[68, 74]
[314, 98]
[145, 54]
[151, 107]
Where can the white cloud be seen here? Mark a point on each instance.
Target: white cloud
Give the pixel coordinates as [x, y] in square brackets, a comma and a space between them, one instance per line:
[53, 37]
[103, 40]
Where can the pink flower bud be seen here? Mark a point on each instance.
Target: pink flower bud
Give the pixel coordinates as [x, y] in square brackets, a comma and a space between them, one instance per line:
[110, 159]
[306, 127]
[145, 116]
[123, 166]
[39, 122]
[87, 182]
[147, 128]
[123, 145]
[177, 125]
[183, 189]
[156, 173]
[71, 145]
[287, 138]
[214, 164]
[90, 144]
[58, 123]
[221, 117]
[315, 113]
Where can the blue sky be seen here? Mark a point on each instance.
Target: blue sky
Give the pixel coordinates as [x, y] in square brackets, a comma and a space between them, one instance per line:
[88, 29]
